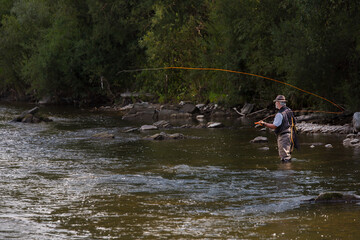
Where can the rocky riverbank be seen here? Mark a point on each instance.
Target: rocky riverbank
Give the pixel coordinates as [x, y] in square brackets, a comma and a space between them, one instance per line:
[307, 123]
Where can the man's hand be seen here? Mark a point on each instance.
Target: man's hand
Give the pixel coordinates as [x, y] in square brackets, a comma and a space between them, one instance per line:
[261, 123]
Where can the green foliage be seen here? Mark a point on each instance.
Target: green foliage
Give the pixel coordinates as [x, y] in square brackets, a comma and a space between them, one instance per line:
[75, 49]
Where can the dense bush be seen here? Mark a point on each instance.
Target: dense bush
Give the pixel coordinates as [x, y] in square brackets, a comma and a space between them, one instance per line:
[76, 49]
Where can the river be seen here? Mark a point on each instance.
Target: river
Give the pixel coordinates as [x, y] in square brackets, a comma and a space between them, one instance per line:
[57, 182]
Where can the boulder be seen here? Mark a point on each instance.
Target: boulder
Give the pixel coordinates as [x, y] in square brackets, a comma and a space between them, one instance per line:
[103, 135]
[148, 127]
[218, 114]
[259, 139]
[356, 122]
[188, 108]
[351, 142]
[328, 146]
[166, 113]
[143, 112]
[335, 197]
[162, 124]
[214, 125]
[147, 115]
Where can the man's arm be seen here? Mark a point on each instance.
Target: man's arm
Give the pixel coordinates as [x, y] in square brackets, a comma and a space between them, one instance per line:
[277, 122]
[268, 125]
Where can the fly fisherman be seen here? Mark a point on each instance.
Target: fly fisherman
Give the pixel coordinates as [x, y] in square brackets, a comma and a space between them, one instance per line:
[284, 125]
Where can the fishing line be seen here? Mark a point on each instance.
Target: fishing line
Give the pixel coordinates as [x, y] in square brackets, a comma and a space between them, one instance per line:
[244, 73]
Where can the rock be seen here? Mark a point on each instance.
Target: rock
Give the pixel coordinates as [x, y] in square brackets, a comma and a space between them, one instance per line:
[143, 112]
[164, 136]
[200, 117]
[351, 135]
[127, 107]
[264, 148]
[328, 146]
[103, 135]
[162, 124]
[214, 125]
[335, 197]
[200, 106]
[186, 126]
[148, 127]
[351, 142]
[318, 128]
[218, 114]
[146, 116]
[356, 122]
[166, 113]
[158, 136]
[312, 146]
[188, 108]
[176, 136]
[129, 129]
[259, 139]
[347, 142]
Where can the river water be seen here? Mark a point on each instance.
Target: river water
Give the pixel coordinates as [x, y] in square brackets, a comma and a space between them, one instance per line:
[57, 182]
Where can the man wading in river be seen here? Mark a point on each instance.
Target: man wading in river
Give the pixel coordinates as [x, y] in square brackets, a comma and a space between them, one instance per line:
[284, 125]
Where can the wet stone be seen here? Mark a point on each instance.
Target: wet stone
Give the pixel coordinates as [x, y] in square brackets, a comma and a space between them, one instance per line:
[260, 139]
[214, 125]
[148, 127]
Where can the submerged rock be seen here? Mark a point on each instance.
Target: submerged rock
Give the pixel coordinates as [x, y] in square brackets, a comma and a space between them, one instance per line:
[103, 135]
[264, 149]
[165, 136]
[259, 139]
[334, 197]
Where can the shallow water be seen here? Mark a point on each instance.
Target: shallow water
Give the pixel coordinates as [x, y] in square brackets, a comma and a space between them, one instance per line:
[57, 182]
